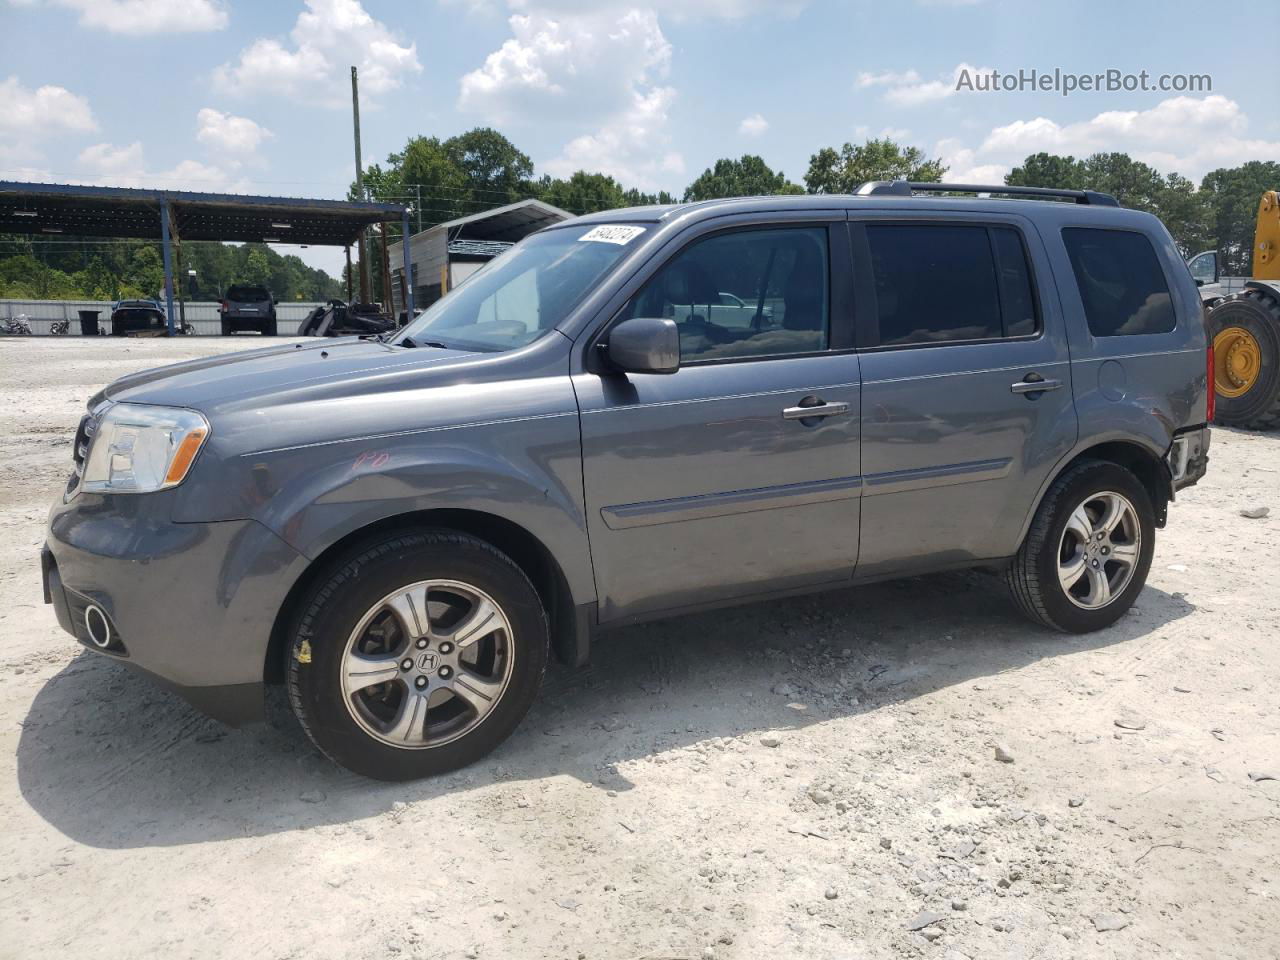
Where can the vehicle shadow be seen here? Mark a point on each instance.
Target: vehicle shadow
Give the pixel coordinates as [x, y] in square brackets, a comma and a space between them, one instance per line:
[112, 761]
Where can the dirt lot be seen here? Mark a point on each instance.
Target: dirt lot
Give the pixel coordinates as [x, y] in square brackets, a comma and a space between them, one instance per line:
[811, 778]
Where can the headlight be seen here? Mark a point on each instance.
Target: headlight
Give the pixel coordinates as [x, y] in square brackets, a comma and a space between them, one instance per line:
[140, 448]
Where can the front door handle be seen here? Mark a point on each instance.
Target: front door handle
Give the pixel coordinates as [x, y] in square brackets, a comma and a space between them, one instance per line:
[1034, 383]
[817, 410]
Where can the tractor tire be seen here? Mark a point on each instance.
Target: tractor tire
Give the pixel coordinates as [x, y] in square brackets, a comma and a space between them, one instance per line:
[1245, 331]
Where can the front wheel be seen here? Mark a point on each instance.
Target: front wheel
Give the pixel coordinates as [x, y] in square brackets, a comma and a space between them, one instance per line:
[1086, 557]
[418, 655]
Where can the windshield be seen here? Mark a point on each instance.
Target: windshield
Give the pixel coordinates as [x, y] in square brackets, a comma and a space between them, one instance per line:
[520, 295]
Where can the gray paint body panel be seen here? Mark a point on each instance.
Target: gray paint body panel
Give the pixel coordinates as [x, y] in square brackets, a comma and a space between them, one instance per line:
[653, 493]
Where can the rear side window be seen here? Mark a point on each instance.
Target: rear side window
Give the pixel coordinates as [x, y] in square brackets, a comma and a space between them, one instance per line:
[1121, 284]
[943, 282]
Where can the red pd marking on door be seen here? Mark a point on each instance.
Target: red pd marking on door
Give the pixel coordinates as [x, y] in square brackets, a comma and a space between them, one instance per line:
[371, 460]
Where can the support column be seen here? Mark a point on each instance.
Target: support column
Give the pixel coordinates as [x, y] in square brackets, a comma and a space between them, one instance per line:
[168, 262]
[388, 301]
[348, 273]
[182, 298]
[408, 270]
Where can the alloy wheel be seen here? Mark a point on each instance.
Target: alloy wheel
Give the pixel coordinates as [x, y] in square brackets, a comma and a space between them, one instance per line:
[427, 663]
[1099, 550]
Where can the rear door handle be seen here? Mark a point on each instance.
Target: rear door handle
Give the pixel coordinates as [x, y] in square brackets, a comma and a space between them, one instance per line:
[1034, 383]
[817, 410]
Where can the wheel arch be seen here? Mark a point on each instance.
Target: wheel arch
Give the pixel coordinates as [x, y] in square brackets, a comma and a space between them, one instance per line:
[1136, 457]
[570, 624]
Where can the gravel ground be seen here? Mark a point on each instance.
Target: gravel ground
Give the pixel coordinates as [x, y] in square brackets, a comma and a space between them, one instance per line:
[810, 778]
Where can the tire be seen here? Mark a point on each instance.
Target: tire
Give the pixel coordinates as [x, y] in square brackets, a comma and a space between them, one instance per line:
[371, 730]
[1258, 315]
[227, 329]
[1033, 575]
[270, 327]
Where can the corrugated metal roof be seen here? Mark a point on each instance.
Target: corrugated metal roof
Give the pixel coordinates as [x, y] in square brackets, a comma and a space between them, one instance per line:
[36, 208]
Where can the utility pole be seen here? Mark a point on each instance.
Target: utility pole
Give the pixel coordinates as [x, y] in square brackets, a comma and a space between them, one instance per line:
[360, 241]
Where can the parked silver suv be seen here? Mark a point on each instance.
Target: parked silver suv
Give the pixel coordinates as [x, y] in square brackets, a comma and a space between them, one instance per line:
[631, 415]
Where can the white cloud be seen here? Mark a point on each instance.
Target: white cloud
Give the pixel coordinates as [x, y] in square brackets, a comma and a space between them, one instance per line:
[590, 64]
[753, 126]
[236, 137]
[327, 38]
[1187, 135]
[908, 89]
[628, 147]
[106, 164]
[602, 70]
[148, 16]
[31, 114]
[676, 9]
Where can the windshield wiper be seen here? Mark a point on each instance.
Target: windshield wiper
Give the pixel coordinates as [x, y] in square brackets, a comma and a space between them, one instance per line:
[410, 342]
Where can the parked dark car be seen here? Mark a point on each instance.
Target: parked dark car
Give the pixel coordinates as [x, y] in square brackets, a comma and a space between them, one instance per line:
[248, 307]
[636, 414]
[136, 316]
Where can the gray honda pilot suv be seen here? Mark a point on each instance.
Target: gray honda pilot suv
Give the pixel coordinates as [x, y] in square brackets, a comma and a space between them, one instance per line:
[630, 415]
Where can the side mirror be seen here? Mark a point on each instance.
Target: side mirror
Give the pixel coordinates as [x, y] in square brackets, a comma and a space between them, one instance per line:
[644, 345]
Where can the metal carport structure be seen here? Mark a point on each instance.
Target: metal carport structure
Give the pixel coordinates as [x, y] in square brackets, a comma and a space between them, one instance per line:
[167, 215]
[430, 257]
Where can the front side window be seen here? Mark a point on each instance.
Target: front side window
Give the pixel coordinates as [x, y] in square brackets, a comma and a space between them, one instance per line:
[1121, 284]
[750, 293]
[525, 292]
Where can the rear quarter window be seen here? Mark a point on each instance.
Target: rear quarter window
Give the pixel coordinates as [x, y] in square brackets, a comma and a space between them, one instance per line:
[1122, 287]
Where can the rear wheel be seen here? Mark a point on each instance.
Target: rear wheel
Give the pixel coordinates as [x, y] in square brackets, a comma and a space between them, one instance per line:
[227, 329]
[1086, 557]
[269, 326]
[1245, 330]
[418, 655]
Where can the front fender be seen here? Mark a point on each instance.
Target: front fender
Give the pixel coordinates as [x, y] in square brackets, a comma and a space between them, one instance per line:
[526, 471]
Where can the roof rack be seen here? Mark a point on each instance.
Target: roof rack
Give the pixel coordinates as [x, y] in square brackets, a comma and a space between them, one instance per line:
[903, 188]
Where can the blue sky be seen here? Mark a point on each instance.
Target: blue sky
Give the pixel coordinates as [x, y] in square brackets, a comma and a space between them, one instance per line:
[253, 96]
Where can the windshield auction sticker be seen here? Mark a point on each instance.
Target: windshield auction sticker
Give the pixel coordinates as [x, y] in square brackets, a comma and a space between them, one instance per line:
[612, 233]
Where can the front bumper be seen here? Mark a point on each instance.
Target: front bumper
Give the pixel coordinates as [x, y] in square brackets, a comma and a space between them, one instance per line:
[191, 604]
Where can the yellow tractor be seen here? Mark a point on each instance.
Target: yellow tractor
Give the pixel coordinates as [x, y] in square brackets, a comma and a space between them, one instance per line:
[1244, 325]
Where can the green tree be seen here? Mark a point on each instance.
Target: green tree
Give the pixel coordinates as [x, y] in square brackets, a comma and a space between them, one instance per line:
[581, 193]
[1131, 182]
[145, 272]
[1185, 211]
[841, 172]
[257, 268]
[1232, 196]
[496, 171]
[749, 176]
[1048, 170]
[637, 198]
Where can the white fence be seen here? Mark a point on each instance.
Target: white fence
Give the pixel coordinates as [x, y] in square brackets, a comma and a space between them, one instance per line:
[201, 314]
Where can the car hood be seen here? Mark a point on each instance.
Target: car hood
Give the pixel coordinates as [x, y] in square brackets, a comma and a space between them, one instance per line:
[253, 379]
